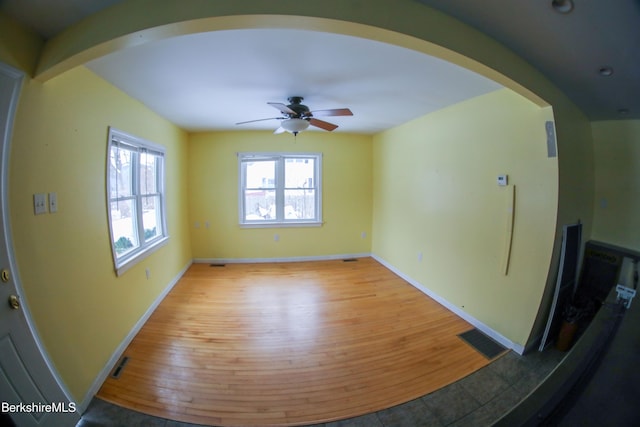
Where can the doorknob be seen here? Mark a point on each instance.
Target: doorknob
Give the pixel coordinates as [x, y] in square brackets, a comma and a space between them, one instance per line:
[14, 302]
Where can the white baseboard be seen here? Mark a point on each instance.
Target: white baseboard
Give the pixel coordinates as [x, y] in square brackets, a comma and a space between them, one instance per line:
[104, 373]
[466, 316]
[286, 259]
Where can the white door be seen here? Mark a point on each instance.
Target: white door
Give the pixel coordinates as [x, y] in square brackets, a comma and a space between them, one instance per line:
[29, 392]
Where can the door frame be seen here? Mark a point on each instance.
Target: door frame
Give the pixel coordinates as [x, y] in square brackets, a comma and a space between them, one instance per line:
[6, 238]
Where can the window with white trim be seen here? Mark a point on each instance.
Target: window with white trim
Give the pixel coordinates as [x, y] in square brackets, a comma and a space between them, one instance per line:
[280, 189]
[136, 202]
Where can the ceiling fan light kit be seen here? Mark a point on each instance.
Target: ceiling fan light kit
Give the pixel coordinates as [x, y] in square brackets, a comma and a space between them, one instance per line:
[297, 117]
[294, 125]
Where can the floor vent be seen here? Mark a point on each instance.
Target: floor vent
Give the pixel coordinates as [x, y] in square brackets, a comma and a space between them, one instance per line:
[482, 343]
[217, 265]
[118, 370]
[350, 260]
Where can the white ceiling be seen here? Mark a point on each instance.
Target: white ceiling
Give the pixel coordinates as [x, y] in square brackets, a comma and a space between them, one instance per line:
[214, 80]
[225, 77]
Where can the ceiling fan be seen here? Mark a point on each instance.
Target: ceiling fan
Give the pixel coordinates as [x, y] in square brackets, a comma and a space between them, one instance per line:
[297, 117]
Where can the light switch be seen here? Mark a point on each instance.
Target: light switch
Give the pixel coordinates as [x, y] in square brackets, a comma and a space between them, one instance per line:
[53, 202]
[39, 203]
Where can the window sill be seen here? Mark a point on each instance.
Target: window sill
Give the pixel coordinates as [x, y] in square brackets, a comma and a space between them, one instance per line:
[127, 263]
[281, 224]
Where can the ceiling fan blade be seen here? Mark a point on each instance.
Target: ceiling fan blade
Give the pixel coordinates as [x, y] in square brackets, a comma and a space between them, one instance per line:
[333, 112]
[283, 108]
[261, 120]
[322, 124]
[279, 130]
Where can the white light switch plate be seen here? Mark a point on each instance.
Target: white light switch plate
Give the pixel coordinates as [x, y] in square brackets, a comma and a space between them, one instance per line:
[39, 203]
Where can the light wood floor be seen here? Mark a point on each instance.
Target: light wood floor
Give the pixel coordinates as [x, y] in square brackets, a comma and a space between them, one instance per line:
[290, 344]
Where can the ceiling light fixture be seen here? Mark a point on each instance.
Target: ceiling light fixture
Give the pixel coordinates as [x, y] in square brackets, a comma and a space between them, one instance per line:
[294, 125]
[605, 71]
[562, 6]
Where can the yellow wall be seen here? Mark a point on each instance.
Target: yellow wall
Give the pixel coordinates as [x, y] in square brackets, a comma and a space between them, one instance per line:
[81, 309]
[576, 191]
[19, 46]
[617, 167]
[435, 193]
[213, 196]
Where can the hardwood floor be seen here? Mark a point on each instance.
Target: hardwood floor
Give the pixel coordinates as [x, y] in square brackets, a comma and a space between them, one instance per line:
[290, 344]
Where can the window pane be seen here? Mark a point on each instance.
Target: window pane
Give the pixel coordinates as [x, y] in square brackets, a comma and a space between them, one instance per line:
[123, 226]
[299, 204]
[261, 174]
[259, 205]
[135, 186]
[151, 217]
[280, 187]
[148, 175]
[120, 172]
[299, 173]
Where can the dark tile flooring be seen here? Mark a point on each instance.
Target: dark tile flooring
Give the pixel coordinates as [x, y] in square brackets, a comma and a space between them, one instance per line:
[477, 400]
[611, 396]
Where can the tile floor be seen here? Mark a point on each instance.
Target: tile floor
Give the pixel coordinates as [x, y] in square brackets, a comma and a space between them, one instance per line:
[477, 400]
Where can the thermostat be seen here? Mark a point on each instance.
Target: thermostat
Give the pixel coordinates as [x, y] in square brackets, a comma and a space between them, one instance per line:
[502, 180]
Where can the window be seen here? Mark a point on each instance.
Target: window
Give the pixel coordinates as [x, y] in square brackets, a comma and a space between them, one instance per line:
[135, 191]
[280, 189]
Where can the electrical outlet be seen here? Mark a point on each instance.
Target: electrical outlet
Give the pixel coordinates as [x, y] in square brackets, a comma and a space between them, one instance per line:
[276, 238]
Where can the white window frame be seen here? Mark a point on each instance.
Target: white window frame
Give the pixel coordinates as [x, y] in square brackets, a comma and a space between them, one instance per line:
[137, 146]
[280, 158]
